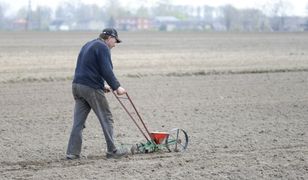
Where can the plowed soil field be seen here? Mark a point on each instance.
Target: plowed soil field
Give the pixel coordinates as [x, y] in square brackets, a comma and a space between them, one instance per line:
[241, 97]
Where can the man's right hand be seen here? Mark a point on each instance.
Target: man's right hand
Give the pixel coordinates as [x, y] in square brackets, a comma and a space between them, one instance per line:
[120, 91]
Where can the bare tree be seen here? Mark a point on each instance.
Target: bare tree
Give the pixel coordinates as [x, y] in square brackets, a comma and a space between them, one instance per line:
[41, 18]
[254, 20]
[2, 12]
[230, 17]
[208, 12]
[163, 8]
[66, 12]
[306, 24]
[115, 10]
[85, 13]
[143, 12]
[277, 10]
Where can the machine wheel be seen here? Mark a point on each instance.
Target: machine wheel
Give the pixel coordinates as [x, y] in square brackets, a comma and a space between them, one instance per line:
[177, 140]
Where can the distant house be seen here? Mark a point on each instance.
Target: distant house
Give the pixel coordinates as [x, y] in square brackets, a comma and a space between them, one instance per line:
[89, 25]
[305, 26]
[20, 24]
[128, 24]
[171, 23]
[166, 23]
[295, 24]
[58, 25]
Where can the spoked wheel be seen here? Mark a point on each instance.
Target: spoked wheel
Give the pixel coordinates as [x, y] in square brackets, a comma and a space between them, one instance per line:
[177, 140]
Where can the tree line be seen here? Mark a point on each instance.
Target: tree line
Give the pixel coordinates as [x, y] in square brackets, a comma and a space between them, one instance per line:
[273, 16]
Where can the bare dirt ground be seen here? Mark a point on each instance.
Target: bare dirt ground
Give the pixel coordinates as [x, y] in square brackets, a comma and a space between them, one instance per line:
[242, 98]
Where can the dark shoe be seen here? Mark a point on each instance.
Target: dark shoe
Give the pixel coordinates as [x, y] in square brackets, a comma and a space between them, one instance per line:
[72, 156]
[117, 153]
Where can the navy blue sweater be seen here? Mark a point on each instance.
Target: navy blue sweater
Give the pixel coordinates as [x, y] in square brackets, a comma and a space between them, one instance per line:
[94, 66]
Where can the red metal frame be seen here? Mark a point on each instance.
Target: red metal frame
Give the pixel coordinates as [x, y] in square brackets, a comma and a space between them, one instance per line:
[130, 115]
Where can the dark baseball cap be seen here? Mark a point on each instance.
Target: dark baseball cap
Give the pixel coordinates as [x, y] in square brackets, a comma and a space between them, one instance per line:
[112, 32]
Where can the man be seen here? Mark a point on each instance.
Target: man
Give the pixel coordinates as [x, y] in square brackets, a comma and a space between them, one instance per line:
[93, 77]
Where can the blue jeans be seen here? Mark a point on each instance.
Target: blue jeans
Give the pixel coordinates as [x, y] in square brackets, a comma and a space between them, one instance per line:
[87, 98]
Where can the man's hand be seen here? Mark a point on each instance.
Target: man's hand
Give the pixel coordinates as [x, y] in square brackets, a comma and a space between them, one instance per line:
[120, 91]
[107, 88]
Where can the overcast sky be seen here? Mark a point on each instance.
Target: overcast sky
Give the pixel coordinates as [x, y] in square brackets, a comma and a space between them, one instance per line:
[297, 7]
